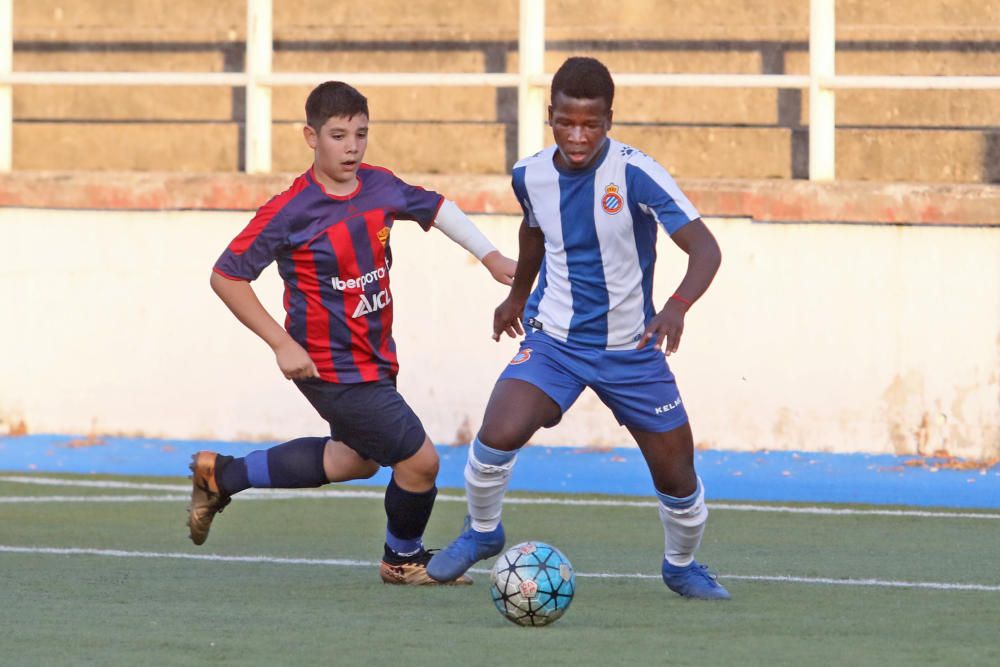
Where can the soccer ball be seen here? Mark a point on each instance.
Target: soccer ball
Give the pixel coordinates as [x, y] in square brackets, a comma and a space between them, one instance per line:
[532, 584]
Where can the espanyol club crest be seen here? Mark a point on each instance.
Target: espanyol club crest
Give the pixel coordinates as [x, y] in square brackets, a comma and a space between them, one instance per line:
[521, 357]
[611, 202]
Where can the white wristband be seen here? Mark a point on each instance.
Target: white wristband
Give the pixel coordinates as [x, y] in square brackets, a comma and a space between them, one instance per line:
[457, 226]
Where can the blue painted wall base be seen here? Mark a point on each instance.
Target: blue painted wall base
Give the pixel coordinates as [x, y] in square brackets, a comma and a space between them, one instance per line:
[737, 476]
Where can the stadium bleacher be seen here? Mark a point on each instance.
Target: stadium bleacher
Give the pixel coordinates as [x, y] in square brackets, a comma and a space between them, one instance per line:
[883, 135]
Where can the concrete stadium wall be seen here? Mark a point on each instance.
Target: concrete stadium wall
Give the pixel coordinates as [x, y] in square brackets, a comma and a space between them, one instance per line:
[833, 337]
[883, 135]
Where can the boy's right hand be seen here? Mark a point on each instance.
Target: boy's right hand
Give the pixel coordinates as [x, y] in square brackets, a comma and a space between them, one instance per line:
[500, 267]
[507, 319]
[294, 361]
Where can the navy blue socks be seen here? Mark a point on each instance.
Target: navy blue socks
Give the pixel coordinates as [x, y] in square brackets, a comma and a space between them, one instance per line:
[296, 464]
[408, 514]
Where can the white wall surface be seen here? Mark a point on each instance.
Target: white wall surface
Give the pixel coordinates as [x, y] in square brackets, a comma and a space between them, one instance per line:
[817, 337]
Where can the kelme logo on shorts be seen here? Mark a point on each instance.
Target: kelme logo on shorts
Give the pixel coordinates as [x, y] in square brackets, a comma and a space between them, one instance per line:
[669, 406]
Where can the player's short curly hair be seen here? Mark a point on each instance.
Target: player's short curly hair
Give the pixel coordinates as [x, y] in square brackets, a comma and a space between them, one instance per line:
[584, 78]
[334, 99]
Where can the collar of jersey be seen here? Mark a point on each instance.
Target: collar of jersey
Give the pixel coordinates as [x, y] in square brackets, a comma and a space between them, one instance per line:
[591, 168]
[312, 177]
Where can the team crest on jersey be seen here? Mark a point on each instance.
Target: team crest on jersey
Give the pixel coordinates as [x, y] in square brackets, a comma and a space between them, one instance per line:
[383, 235]
[521, 357]
[611, 202]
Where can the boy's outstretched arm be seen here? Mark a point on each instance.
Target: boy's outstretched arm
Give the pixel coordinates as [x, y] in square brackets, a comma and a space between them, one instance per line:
[240, 298]
[704, 258]
[457, 226]
[531, 251]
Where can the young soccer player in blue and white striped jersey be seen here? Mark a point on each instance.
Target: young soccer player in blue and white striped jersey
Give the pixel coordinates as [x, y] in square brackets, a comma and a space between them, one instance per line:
[591, 207]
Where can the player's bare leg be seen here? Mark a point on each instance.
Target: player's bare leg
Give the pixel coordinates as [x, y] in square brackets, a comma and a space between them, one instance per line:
[419, 472]
[409, 499]
[670, 458]
[341, 463]
[515, 411]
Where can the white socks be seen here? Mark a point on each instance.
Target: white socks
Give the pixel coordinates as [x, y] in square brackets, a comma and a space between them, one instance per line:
[683, 525]
[486, 475]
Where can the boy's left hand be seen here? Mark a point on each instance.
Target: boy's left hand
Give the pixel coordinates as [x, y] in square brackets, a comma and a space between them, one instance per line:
[666, 327]
[500, 267]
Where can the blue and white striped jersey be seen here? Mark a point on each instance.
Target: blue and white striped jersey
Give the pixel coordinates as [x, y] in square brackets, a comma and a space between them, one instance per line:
[595, 287]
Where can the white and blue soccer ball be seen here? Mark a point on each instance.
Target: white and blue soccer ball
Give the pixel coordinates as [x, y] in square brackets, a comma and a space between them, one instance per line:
[532, 584]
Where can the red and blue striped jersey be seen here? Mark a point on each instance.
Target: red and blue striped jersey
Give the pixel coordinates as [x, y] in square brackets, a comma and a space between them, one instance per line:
[333, 255]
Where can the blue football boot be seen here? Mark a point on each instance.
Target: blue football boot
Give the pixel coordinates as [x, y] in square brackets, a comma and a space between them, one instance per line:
[693, 581]
[464, 552]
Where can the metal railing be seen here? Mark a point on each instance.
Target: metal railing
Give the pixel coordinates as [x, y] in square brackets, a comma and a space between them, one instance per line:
[531, 82]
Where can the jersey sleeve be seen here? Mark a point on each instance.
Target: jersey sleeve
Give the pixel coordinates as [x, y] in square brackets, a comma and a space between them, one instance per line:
[656, 194]
[257, 245]
[418, 204]
[521, 192]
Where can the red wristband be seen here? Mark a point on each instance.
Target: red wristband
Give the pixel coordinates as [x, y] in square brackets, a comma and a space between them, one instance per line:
[682, 300]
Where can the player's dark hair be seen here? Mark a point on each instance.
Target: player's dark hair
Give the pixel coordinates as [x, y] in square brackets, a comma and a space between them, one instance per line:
[334, 99]
[584, 78]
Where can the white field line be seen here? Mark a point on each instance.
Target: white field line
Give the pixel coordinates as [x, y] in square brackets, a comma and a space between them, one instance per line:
[92, 484]
[343, 562]
[27, 500]
[286, 494]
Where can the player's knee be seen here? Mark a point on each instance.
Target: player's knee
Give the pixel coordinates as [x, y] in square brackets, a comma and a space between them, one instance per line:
[421, 469]
[426, 469]
[503, 436]
[430, 468]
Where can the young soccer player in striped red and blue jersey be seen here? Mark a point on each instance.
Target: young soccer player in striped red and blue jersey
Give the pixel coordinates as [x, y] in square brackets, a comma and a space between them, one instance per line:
[329, 234]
